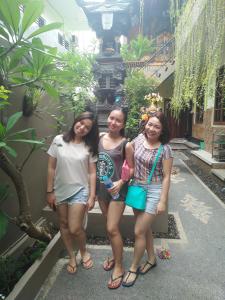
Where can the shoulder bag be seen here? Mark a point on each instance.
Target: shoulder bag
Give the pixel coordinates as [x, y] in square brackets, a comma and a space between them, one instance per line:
[136, 194]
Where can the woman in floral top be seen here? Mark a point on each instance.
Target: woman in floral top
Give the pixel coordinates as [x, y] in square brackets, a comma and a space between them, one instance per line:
[145, 147]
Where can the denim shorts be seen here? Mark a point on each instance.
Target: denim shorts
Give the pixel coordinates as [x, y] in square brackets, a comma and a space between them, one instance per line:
[153, 197]
[80, 197]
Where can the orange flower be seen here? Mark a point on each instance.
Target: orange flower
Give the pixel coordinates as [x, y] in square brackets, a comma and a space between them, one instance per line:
[144, 117]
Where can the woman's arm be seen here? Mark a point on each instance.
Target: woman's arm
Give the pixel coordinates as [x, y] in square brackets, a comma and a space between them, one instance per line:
[167, 168]
[50, 181]
[130, 158]
[92, 182]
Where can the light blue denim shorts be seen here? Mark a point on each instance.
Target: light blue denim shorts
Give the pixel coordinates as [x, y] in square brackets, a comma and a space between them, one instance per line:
[153, 197]
[80, 197]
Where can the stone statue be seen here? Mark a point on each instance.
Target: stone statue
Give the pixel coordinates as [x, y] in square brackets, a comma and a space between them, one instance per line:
[109, 19]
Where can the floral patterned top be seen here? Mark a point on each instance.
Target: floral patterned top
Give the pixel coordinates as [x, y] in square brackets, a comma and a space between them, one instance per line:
[144, 158]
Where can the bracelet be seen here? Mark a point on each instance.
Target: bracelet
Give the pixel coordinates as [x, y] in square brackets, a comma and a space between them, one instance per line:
[49, 192]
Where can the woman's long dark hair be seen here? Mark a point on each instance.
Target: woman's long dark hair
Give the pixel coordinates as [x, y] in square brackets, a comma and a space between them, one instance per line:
[165, 134]
[124, 112]
[92, 138]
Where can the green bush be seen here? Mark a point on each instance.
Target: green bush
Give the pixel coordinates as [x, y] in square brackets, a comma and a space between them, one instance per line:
[136, 87]
[12, 269]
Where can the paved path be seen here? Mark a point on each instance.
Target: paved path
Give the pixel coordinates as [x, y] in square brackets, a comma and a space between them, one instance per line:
[195, 271]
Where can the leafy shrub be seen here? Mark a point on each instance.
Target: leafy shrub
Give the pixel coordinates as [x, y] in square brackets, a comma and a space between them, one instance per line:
[12, 269]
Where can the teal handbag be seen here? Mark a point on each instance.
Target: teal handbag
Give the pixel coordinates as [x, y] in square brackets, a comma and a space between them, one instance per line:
[136, 194]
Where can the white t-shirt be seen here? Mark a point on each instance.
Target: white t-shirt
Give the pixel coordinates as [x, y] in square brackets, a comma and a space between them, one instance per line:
[71, 172]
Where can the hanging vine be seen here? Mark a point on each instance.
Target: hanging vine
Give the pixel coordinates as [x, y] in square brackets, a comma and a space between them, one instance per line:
[175, 11]
[199, 51]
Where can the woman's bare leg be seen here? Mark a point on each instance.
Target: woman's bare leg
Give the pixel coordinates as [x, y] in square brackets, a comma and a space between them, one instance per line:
[75, 223]
[62, 211]
[143, 223]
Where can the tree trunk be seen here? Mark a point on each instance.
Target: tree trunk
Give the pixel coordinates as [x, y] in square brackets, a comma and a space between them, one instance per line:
[24, 220]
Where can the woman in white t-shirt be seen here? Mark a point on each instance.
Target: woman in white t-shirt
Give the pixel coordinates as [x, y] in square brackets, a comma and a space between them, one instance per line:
[71, 183]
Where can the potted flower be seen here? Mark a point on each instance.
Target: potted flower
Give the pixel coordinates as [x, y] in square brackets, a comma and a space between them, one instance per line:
[155, 101]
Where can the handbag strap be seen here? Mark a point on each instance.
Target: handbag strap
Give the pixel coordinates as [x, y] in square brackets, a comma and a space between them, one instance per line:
[155, 163]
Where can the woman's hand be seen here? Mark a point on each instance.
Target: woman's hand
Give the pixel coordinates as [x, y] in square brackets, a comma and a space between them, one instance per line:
[117, 185]
[90, 203]
[51, 200]
[161, 208]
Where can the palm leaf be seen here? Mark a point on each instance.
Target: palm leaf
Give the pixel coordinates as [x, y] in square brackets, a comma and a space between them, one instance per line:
[45, 28]
[32, 11]
[12, 120]
[11, 16]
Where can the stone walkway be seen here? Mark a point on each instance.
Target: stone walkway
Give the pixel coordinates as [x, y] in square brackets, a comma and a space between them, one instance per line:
[196, 269]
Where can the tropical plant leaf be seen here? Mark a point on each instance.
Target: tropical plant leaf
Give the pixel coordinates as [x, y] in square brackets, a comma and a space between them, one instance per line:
[10, 11]
[16, 57]
[51, 91]
[26, 141]
[2, 144]
[21, 132]
[3, 224]
[12, 120]
[10, 150]
[32, 11]
[3, 33]
[45, 28]
[2, 130]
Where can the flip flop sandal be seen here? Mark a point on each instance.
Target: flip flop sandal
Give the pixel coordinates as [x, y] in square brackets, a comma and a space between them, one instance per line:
[131, 283]
[109, 264]
[71, 269]
[86, 264]
[150, 266]
[112, 286]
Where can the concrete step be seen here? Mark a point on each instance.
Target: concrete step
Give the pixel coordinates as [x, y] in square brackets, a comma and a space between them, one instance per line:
[220, 173]
[192, 145]
[182, 144]
[207, 158]
[96, 224]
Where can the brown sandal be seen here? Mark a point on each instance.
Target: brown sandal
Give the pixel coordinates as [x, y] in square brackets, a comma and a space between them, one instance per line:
[109, 264]
[71, 269]
[87, 264]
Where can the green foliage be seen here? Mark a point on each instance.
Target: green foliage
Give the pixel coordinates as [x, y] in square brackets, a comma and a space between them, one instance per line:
[77, 91]
[4, 95]
[175, 11]
[138, 48]
[199, 53]
[12, 269]
[136, 87]
[14, 25]
[6, 137]
[24, 60]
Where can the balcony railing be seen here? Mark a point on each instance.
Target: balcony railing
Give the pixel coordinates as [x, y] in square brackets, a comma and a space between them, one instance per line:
[161, 57]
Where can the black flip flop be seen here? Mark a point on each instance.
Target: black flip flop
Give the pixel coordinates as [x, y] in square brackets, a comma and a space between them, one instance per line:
[147, 263]
[131, 283]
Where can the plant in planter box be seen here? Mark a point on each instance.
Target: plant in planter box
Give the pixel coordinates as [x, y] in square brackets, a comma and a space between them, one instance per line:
[13, 268]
